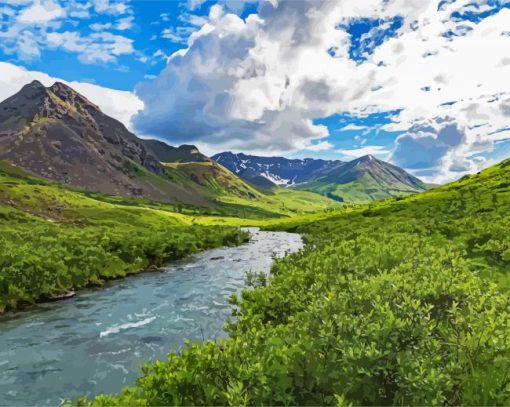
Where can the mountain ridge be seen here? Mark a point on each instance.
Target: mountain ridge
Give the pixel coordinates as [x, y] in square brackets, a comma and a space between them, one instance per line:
[59, 135]
[280, 171]
[363, 179]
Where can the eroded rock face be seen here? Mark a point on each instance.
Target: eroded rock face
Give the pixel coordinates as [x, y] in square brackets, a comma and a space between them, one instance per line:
[59, 134]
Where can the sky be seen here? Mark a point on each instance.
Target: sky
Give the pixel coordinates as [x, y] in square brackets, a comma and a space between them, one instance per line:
[420, 83]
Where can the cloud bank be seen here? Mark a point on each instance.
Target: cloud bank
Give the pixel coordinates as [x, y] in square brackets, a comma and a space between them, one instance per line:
[258, 84]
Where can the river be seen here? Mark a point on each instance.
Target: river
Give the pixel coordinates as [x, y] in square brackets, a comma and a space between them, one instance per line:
[97, 341]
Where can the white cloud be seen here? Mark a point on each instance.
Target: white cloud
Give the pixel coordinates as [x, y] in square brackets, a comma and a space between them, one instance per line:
[178, 34]
[27, 28]
[97, 47]
[194, 4]
[354, 127]
[125, 23]
[100, 26]
[121, 105]
[360, 152]
[41, 12]
[78, 9]
[193, 19]
[259, 83]
[28, 48]
[321, 146]
[111, 7]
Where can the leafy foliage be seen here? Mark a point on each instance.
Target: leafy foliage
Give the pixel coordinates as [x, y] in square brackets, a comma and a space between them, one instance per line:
[40, 259]
[403, 301]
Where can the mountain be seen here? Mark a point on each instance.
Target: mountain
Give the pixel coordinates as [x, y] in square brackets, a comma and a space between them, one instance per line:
[58, 134]
[267, 172]
[365, 178]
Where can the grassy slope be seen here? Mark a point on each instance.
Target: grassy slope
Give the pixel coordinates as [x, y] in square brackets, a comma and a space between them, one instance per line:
[403, 301]
[54, 238]
[236, 197]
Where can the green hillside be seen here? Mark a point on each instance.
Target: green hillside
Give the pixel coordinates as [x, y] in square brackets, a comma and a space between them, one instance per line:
[363, 180]
[403, 301]
[54, 239]
[234, 196]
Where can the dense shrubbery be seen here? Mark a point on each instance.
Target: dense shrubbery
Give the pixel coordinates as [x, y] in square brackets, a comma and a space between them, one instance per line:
[41, 259]
[399, 302]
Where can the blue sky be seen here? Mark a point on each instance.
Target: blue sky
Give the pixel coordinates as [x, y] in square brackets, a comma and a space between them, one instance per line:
[148, 22]
[402, 80]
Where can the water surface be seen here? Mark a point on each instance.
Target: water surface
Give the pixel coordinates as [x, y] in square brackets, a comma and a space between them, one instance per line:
[97, 341]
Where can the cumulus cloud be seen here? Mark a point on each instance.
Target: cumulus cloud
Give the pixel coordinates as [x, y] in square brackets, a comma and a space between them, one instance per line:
[425, 144]
[259, 83]
[121, 105]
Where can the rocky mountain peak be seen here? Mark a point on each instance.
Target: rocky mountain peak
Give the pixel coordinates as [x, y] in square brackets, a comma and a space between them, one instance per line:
[32, 91]
[68, 94]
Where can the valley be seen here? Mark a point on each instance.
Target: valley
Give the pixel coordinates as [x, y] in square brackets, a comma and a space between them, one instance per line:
[254, 203]
[401, 301]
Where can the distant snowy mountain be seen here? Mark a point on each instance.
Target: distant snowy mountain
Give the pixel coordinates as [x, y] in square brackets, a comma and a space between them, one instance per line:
[270, 171]
[363, 179]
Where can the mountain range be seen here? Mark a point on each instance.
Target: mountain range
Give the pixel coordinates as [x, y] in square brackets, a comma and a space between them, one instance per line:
[56, 133]
[359, 180]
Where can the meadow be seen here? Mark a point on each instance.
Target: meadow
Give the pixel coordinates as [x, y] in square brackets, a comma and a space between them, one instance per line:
[54, 239]
[402, 301]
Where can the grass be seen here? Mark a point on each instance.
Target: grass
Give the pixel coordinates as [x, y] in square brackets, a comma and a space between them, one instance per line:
[362, 190]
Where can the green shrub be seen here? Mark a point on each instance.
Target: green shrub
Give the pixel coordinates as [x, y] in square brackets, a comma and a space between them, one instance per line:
[401, 302]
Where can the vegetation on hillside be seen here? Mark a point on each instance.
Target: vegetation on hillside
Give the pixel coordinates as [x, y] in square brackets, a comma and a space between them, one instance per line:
[362, 190]
[363, 180]
[53, 239]
[403, 301]
[233, 196]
